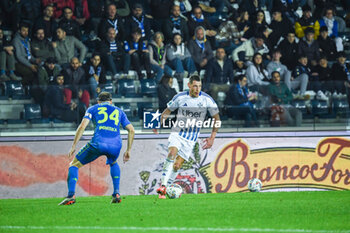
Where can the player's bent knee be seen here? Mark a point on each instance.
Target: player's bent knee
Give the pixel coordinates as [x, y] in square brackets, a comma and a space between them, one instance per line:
[76, 163]
[172, 153]
[177, 166]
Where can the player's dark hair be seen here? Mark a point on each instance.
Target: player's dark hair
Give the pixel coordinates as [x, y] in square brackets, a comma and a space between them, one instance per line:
[165, 79]
[194, 78]
[104, 96]
[240, 77]
[274, 72]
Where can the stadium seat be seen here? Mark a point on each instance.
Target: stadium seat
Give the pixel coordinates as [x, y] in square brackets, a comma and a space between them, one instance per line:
[125, 107]
[341, 107]
[148, 87]
[14, 89]
[144, 107]
[126, 87]
[32, 111]
[108, 87]
[319, 108]
[301, 105]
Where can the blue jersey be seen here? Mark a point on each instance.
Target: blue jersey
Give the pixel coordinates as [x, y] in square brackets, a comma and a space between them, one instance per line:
[107, 119]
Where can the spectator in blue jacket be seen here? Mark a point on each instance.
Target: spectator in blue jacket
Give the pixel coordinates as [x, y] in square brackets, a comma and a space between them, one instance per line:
[329, 21]
[238, 102]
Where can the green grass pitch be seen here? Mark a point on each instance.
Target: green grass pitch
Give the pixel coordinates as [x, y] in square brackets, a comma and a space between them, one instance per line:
[232, 212]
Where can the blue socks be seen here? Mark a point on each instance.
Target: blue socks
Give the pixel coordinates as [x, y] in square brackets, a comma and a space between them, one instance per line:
[72, 180]
[115, 174]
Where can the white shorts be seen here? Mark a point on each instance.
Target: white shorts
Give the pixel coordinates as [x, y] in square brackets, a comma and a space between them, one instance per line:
[184, 147]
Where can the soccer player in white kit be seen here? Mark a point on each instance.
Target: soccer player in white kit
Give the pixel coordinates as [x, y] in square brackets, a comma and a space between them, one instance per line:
[192, 106]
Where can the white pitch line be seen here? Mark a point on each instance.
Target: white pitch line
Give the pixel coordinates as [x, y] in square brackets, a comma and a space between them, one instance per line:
[202, 229]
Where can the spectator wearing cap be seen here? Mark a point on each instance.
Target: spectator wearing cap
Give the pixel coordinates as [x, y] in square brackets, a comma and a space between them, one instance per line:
[327, 44]
[7, 60]
[41, 46]
[123, 9]
[112, 20]
[138, 19]
[245, 52]
[46, 77]
[329, 21]
[280, 27]
[276, 65]
[136, 47]
[65, 47]
[47, 22]
[306, 21]
[175, 24]
[47, 73]
[200, 49]
[289, 50]
[341, 75]
[309, 46]
[71, 26]
[27, 65]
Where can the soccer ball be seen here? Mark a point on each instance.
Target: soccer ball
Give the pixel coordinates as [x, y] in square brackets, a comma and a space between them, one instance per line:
[254, 185]
[174, 191]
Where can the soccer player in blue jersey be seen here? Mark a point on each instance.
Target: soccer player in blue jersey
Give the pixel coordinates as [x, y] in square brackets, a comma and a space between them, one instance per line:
[107, 119]
[192, 107]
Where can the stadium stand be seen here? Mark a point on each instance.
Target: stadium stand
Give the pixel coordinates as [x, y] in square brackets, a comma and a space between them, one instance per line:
[135, 95]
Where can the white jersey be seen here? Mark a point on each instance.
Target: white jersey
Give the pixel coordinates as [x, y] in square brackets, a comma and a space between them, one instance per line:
[191, 110]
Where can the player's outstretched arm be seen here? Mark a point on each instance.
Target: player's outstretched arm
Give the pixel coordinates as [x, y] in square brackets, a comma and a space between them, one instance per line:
[163, 117]
[131, 134]
[80, 130]
[208, 142]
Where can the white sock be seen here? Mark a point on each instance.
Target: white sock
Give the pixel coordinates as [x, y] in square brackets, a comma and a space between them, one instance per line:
[167, 169]
[172, 176]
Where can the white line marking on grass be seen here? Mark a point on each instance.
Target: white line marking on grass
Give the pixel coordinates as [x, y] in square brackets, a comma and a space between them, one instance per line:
[202, 229]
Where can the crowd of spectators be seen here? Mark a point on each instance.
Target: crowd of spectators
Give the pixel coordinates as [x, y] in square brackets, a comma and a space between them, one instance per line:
[276, 48]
